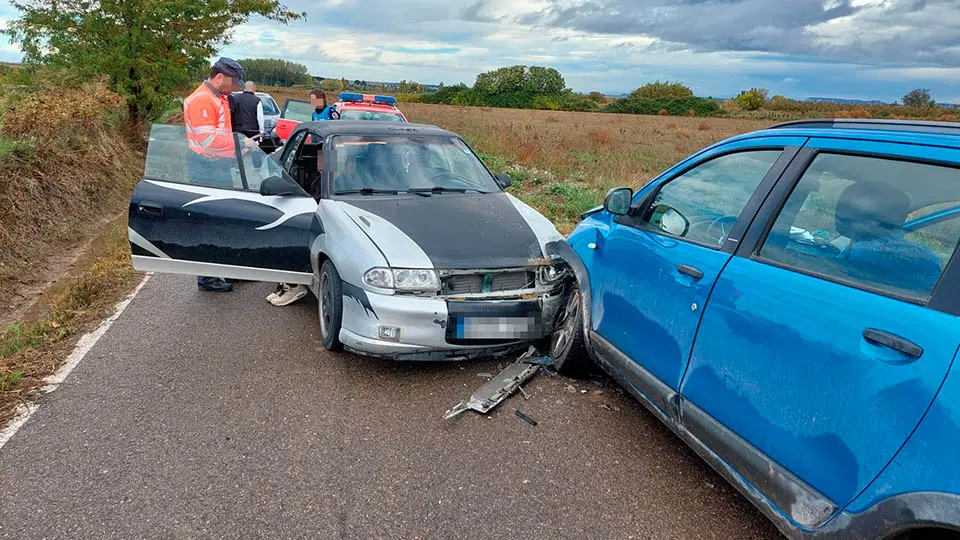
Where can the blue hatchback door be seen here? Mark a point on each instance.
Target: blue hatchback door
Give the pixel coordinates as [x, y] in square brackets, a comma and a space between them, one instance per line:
[819, 351]
[653, 270]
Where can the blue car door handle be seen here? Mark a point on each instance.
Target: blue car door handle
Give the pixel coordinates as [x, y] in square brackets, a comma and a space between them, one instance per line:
[691, 271]
[892, 341]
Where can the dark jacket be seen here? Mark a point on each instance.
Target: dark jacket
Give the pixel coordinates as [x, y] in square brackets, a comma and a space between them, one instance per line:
[243, 112]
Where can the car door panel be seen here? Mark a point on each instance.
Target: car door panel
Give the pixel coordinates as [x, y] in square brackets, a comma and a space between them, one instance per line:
[190, 228]
[821, 378]
[648, 288]
[768, 360]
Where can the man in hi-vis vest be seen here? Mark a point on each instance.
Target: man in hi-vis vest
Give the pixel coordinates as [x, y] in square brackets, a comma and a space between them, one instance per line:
[213, 154]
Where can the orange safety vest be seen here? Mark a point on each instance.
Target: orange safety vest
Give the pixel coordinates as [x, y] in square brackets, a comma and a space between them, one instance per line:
[206, 113]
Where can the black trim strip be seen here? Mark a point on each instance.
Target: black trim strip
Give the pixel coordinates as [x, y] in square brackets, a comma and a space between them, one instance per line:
[652, 388]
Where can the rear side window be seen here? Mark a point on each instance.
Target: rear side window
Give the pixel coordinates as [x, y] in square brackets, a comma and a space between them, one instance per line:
[876, 223]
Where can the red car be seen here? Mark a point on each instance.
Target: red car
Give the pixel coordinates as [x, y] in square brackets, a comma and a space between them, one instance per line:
[349, 106]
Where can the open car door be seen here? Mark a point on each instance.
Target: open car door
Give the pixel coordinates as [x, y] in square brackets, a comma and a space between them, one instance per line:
[241, 217]
[294, 112]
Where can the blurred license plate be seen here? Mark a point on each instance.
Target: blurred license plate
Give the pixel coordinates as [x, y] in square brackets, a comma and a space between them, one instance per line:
[484, 327]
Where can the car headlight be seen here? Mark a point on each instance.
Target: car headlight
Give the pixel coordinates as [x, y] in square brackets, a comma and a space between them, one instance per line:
[402, 279]
[550, 274]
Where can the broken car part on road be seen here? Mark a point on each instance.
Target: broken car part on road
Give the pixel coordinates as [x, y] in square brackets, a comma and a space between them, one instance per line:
[500, 387]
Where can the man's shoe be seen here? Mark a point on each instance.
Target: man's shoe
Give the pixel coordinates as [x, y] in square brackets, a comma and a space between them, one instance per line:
[206, 284]
[290, 295]
[281, 287]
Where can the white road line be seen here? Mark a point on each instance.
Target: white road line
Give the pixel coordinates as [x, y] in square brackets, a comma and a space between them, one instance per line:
[24, 412]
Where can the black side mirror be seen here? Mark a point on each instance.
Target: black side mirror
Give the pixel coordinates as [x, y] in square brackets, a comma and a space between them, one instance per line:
[503, 180]
[618, 201]
[276, 186]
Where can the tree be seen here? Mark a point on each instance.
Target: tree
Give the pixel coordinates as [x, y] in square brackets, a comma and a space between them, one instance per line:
[753, 99]
[275, 72]
[919, 98]
[543, 80]
[597, 97]
[149, 49]
[536, 80]
[662, 90]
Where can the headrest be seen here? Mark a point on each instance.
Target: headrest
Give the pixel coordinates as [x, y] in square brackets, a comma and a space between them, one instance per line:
[866, 211]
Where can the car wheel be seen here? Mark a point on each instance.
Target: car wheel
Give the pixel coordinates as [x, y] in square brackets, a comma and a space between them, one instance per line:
[330, 305]
[566, 344]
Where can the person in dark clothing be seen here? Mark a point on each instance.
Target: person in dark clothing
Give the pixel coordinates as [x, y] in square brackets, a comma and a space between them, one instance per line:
[246, 112]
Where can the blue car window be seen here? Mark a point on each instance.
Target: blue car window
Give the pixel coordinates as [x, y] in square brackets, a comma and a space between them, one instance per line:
[875, 223]
[702, 204]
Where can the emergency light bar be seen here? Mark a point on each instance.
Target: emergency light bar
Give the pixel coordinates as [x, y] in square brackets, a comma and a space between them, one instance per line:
[366, 98]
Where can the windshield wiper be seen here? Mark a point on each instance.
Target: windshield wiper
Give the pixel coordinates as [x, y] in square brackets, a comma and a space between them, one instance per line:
[442, 189]
[367, 191]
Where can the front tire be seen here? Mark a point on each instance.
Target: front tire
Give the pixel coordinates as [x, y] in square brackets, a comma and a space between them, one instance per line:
[330, 306]
[566, 344]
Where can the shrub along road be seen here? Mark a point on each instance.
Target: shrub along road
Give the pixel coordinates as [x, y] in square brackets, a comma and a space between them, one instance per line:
[221, 416]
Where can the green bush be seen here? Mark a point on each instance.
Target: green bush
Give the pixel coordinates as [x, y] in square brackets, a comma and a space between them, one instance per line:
[511, 100]
[753, 99]
[578, 102]
[675, 107]
[548, 103]
[662, 90]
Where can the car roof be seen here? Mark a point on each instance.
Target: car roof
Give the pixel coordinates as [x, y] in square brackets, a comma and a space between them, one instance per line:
[944, 134]
[361, 127]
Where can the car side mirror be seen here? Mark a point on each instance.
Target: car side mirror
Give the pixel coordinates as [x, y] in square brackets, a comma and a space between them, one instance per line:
[276, 186]
[618, 201]
[671, 221]
[503, 180]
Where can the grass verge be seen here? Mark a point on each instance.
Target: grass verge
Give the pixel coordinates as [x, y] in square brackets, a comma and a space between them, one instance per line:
[33, 348]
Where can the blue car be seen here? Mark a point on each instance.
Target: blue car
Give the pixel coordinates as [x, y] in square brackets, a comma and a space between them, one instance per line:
[788, 303]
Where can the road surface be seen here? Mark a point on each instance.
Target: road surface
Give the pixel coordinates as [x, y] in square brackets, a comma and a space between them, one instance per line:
[219, 416]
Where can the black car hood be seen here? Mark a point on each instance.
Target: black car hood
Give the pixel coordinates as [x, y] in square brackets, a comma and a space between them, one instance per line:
[455, 231]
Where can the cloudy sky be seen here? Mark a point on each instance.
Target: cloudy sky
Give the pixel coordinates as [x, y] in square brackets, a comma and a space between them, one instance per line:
[873, 49]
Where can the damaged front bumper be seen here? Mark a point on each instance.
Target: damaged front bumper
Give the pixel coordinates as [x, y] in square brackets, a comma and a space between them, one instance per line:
[449, 327]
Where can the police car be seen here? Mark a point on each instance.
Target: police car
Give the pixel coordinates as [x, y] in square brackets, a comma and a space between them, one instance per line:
[353, 106]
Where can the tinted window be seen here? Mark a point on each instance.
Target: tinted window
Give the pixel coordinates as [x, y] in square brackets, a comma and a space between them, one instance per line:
[877, 223]
[702, 204]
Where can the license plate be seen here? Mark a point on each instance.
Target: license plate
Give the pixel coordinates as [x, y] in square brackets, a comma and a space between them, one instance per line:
[487, 327]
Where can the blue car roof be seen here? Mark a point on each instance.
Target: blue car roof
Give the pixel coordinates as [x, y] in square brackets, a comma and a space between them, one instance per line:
[943, 134]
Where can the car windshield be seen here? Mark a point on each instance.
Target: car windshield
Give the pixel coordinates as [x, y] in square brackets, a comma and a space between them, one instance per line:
[269, 106]
[395, 164]
[356, 114]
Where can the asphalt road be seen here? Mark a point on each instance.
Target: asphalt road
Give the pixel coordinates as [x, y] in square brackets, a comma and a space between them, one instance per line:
[220, 416]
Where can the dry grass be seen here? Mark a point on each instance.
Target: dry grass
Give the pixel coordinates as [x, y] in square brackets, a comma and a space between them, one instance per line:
[563, 162]
[32, 349]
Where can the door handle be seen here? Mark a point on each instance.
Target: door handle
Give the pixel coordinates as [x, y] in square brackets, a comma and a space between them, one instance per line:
[151, 209]
[892, 341]
[691, 271]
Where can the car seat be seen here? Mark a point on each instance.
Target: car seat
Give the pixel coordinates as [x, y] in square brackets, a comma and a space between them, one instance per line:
[872, 216]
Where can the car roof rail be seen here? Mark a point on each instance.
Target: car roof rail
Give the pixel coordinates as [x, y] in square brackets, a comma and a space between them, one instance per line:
[921, 126]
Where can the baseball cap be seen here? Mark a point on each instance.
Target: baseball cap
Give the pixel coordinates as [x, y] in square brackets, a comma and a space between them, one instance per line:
[231, 68]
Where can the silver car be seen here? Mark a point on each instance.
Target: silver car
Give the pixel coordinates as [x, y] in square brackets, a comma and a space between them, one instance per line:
[410, 244]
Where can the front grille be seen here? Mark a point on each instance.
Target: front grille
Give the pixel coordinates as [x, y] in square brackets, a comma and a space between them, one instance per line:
[496, 282]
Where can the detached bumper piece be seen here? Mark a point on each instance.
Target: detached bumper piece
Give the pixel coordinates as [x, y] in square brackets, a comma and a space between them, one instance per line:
[500, 387]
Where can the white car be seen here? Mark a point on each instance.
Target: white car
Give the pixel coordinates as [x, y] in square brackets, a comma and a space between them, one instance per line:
[409, 242]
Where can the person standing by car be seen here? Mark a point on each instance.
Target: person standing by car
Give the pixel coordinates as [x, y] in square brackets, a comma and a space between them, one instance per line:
[246, 112]
[321, 111]
[212, 155]
[286, 294]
